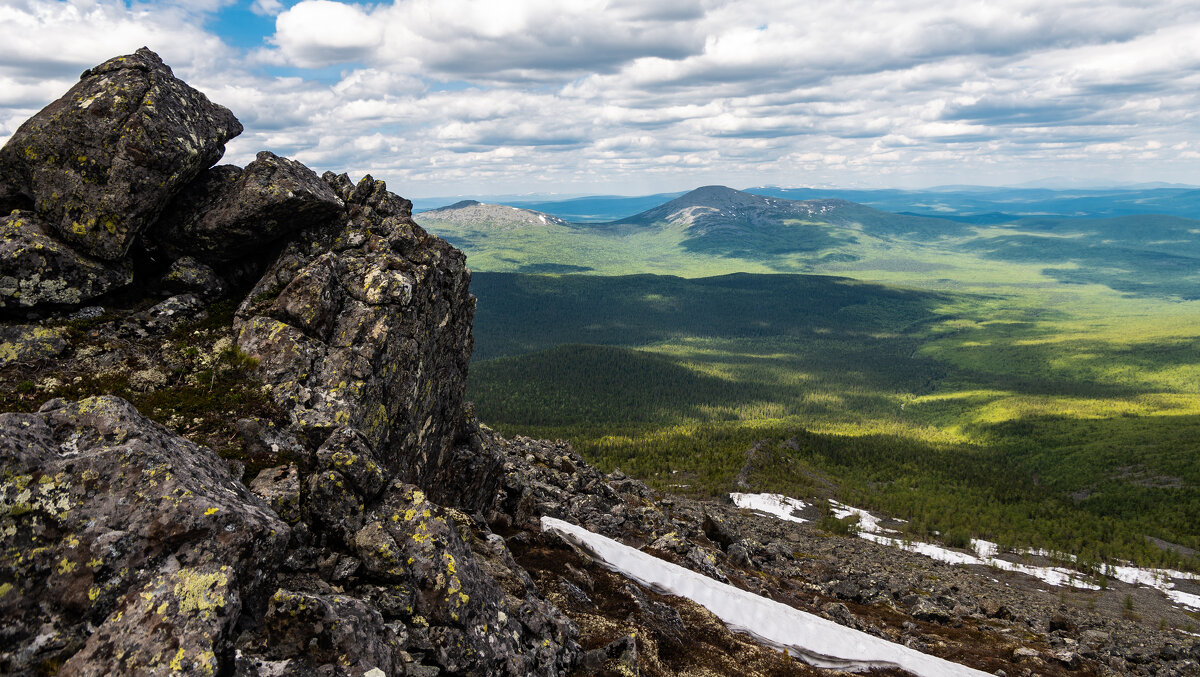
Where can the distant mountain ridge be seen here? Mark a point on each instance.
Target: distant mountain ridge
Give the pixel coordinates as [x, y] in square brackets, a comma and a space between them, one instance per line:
[717, 229]
[472, 213]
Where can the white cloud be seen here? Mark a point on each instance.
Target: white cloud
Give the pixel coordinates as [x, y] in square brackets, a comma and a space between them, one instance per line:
[452, 96]
[57, 40]
[518, 39]
[317, 33]
[266, 7]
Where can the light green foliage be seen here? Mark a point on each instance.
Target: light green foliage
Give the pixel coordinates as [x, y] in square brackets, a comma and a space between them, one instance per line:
[1053, 419]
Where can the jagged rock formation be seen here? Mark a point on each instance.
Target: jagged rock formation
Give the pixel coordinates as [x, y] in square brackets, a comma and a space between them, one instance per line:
[96, 167]
[365, 321]
[358, 521]
[229, 209]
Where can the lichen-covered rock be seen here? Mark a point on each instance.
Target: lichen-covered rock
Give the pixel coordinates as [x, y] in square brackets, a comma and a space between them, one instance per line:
[127, 549]
[470, 621]
[332, 505]
[171, 312]
[29, 342]
[36, 269]
[227, 211]
[100, 163]
[348, 452]
[309, 633]
[368, 325]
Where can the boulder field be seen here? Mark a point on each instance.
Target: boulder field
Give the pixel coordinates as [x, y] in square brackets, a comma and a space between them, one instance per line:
[238, 444]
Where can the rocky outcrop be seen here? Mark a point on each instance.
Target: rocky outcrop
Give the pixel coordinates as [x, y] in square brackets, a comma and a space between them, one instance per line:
[126, 548]
[131, 550]
[228, 211]
[366, 323]
[100, 163]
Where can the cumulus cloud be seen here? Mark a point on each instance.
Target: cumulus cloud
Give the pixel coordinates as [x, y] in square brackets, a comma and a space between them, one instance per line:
[317, 33]
[56, 40]
[454, 96]
[513, 40]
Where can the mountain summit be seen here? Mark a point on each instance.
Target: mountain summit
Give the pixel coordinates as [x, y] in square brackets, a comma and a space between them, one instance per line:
[713, 208]
[474, 214]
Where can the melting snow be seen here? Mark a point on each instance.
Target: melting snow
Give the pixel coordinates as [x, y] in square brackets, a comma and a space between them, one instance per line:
[815, 640]
[1183, 599]
[778, 505]
[986, 552]
[866, 521]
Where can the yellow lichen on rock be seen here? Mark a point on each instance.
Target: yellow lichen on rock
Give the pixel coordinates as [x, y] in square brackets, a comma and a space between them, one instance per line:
[197, 592]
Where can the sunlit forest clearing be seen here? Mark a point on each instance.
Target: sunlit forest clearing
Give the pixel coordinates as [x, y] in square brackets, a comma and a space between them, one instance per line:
[980, 382]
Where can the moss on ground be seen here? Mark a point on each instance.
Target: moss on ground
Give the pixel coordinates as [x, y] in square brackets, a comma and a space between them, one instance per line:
[193, 379]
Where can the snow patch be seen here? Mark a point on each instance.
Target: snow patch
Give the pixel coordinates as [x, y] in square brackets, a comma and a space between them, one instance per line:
[867, 523]
[778, 505]
[986, 553]
[1185, 599]
[813, 639]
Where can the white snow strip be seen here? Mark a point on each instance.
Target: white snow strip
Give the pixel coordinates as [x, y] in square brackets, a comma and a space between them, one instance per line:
[813, 639]
[778, 505]
[1052, 575]
[985, 548]
[1184, 599]
[930, 550]
[866, 521]
[987, 553]
[1151, 578]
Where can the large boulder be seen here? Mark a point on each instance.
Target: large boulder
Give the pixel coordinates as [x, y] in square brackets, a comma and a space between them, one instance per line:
[227, 211]
[36, 269]
[368, 325]
[101, 163]
[127, 549]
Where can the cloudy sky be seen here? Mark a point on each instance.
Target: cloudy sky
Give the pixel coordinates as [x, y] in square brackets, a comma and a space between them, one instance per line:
[487, 97]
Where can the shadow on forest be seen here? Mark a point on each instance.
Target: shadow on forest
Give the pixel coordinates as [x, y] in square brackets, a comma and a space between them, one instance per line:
[520, 314]
[574, 385]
